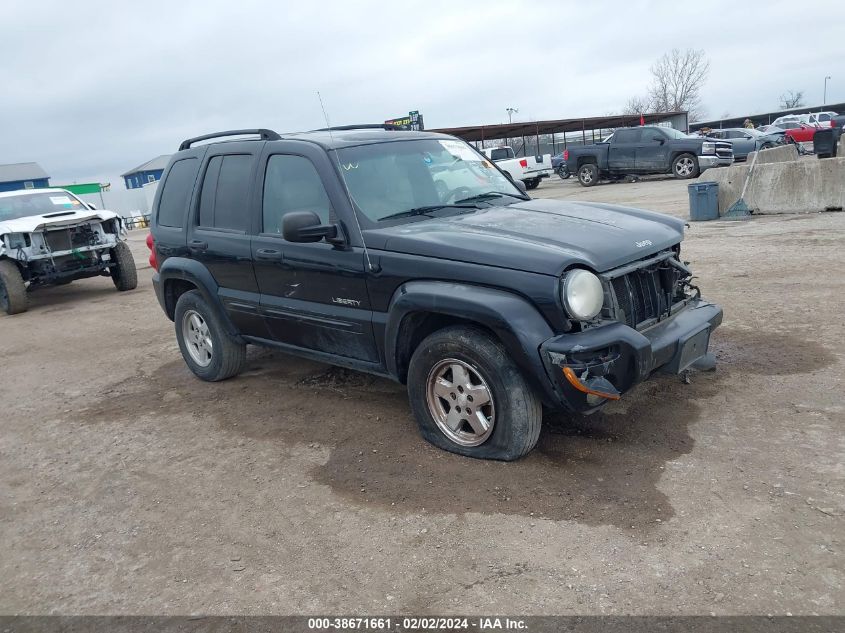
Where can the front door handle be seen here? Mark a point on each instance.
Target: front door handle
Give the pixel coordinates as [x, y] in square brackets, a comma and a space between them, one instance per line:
[198, 245]
[268, 253]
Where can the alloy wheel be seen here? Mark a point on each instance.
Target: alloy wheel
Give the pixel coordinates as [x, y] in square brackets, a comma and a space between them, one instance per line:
[460, 402]
[197, 338]
[685, 167]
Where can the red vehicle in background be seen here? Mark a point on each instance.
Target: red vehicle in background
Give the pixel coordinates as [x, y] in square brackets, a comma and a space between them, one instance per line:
[798, 132]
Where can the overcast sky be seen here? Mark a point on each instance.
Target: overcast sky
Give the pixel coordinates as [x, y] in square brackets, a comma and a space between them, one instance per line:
[92, 89]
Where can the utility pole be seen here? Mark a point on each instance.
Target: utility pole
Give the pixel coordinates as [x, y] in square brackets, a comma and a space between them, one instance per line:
[511, 111]
[824, 99]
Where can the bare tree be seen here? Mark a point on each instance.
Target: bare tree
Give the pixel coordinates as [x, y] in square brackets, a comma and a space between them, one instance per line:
[637, 105]
[677, 79]
[791, 99]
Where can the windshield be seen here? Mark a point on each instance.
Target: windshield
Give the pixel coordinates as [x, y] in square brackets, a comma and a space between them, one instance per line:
[27, 204]
[386, 179]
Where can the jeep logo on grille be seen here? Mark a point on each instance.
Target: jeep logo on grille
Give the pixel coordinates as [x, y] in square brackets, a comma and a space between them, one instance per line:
[644, 243]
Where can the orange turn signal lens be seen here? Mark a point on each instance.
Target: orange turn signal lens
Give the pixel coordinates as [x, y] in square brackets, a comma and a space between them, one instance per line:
[580, 386]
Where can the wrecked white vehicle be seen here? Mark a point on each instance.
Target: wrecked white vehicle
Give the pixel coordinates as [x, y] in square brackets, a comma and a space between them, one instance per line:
[51, 237]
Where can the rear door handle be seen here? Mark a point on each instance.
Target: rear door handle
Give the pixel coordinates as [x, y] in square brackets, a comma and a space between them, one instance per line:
[268, 254]
[198, 245]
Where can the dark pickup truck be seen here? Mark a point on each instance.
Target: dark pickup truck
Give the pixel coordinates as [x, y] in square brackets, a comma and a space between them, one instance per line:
[647, 150]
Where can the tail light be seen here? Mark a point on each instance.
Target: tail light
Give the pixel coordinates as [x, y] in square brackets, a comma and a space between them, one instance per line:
[151, 245]
[523, 163]
[566, 154]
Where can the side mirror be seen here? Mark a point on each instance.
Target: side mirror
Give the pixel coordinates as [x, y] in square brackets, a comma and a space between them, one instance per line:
[305, 226]
[521, 186]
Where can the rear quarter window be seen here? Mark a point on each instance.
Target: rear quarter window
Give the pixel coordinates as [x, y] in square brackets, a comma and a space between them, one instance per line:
[176, 192]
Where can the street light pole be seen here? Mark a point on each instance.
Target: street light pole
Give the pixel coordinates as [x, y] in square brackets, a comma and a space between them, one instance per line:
[510, 112]
[824, 98]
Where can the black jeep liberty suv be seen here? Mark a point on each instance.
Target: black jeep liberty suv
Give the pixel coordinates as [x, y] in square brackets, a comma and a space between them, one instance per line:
[410, 255]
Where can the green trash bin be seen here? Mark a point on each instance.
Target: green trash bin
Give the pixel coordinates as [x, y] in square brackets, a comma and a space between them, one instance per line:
[703, 201]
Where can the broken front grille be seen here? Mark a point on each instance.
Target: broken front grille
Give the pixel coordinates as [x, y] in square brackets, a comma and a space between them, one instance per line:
[71, 237]
[644, 295]
[58, 240]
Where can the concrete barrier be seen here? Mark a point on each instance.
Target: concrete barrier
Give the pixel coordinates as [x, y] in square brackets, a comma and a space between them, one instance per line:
[779, 154]
[799, 186]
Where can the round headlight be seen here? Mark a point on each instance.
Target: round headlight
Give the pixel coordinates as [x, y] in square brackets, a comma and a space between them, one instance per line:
[583, 295]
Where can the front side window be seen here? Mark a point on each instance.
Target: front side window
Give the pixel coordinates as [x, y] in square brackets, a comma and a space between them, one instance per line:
[653, 136]
[394, 177]
[292, 183]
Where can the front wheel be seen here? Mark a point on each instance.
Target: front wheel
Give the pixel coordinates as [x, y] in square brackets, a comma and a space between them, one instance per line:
[563, 172]
[470, 398]
[13, 299]
[588, 175]
[123, 272]
[685, 167]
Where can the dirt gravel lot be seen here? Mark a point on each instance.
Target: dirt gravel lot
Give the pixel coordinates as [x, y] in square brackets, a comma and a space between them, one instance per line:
[128, 486]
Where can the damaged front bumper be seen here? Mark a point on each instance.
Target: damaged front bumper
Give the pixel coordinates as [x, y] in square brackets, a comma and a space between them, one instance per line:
[589, 368]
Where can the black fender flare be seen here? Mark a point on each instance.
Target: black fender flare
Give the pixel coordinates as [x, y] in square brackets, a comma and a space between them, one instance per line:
[513, 319]
[184, 269]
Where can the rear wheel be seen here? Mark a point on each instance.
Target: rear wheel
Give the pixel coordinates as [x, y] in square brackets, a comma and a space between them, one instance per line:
[207, 348]
[123, 272]
[685, 166]
[13, 299]
[563, 172]
[532, 183]
[470, 398]
[588, 174]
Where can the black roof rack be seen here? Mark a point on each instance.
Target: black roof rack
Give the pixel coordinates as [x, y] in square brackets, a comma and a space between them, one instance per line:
[360, 126]
[265, 135]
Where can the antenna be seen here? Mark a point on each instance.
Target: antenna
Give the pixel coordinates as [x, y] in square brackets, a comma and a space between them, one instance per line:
[346, 187]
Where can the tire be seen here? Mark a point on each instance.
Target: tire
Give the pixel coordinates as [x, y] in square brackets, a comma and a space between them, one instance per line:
[514, 408]
[13, 299]
[563, 172]
[532, 183]
[124, 274]
[588, 174]
[685, 166]
[225, 356]
[766, 146]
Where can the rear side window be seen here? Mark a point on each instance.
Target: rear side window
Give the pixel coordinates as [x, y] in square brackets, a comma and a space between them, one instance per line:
[292, 184]
[224, 199]
[176, 192]
[626, 136]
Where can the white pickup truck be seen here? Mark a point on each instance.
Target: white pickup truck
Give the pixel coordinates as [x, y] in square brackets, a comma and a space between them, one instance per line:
[530, 170]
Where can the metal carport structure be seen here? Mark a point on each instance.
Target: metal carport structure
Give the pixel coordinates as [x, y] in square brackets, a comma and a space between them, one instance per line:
[585, 125]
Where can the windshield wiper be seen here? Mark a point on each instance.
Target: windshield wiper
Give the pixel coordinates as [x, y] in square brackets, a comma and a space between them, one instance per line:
[493, 194]
[426, 209]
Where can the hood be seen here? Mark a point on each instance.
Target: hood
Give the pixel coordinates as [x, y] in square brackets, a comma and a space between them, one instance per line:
[53, 219]
[541, 236]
